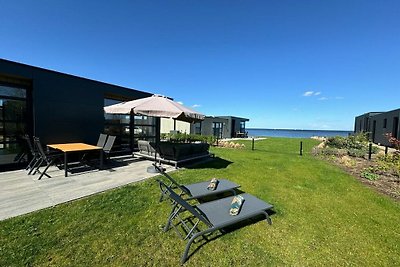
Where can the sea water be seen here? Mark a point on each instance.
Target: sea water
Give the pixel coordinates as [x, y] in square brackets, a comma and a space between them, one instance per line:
[292, 133]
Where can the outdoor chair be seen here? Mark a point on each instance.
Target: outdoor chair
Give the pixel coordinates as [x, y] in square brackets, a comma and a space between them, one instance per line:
[100, 143]
[214, 215]
[102, 140]
[197, 190]
[108, 146]
[23, 154]
[35, 155]
[47, 158]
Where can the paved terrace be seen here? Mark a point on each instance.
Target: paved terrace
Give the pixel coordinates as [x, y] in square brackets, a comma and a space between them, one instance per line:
[21, 193]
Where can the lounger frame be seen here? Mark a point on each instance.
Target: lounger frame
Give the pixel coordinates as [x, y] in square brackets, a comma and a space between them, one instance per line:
[214, 215]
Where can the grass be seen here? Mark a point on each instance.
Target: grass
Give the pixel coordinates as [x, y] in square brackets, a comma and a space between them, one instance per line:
[323, 217]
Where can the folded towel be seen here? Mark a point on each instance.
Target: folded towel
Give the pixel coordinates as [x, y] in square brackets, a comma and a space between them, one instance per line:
[236, 205]
[213, 184]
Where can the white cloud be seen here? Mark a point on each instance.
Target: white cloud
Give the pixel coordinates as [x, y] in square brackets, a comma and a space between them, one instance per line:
[179, 102]
[323, 98]
[311, 93]
[196, 106]
[308, 93]
[339, 97]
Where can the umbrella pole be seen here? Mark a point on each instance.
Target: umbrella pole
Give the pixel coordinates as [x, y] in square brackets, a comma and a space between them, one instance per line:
[153, 169]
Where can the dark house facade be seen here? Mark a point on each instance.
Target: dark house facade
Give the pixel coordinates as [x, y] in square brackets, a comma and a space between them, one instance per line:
[221, 126]
[61, 108]
[377, 124]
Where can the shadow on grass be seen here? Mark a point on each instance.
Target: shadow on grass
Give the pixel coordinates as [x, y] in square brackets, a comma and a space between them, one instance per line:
[198, 244]
[210, 163]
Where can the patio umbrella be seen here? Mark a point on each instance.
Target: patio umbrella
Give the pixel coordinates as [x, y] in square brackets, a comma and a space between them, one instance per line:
[156, 106]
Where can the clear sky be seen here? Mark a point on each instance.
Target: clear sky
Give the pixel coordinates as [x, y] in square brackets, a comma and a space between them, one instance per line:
[280, 63]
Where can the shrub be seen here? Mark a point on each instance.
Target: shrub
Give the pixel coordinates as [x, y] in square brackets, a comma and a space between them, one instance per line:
[329, 151]
[336, 141]
[188, 138]
[390, 162]
[394, 141]
[356, 145]
[358, 153]
[368, 173]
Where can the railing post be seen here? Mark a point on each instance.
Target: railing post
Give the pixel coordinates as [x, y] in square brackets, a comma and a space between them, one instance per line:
[301, 148]
[252, 143]
[386, 150]
[369, 151]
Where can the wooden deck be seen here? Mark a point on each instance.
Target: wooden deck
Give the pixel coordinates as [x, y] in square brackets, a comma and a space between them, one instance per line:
[21, 193]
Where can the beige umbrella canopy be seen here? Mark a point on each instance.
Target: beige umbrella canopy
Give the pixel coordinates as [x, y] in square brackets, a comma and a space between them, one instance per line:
[156, 106]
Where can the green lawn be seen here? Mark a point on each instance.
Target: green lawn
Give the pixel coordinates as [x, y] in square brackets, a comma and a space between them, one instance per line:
[323, 217]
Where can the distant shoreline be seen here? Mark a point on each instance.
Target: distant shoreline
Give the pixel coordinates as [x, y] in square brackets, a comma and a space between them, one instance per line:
[306, 130]
[293, 133]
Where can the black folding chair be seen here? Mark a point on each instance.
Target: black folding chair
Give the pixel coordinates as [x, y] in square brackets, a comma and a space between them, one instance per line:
[35, 155]
[102, 140]
[100, 143]
[48, 158]
[214, 215]
[108, 146]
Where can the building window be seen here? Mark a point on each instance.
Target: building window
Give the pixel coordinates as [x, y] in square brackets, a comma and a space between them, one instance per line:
[128, 128]
[395, 130]
[13, 123]
[144, 128]
[242, 128]
[384, 123]
[197, 128]
[217, 129]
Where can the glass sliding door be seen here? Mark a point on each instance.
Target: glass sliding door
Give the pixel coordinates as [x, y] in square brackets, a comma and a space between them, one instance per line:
[217, 129]
[145, 129]
[129, 128]
[13, 124]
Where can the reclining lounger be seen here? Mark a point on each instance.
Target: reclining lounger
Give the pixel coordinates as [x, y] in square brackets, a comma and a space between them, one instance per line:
[214, 214]
[198, 190]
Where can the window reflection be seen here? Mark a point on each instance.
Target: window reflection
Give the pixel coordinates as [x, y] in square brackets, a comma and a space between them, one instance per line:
[13, 121]
[120, 125]
[217, 129]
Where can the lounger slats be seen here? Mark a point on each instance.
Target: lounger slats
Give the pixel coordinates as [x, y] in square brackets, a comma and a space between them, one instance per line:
[217, 211]
[199, 190]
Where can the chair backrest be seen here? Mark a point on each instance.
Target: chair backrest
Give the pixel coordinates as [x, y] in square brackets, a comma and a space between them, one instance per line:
[180, 201]
[161, 170]
[30, 146]
[39, 148]
[143, 146]
[109, 144]
[102, 140]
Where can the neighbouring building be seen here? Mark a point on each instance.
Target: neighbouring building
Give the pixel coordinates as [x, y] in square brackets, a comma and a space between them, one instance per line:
[377, 124]
[168, 125]
[60, 108]
[219, 126]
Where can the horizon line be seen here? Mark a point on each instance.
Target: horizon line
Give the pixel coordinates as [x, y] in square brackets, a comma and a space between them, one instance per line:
[293, 129]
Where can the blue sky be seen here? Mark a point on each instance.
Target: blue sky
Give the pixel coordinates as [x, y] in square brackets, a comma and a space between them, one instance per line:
[282, 64]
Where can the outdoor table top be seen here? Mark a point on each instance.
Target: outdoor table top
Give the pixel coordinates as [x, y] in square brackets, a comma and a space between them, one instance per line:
[70, 147]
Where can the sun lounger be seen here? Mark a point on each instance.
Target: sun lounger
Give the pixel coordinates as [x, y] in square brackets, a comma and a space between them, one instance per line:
[214, 215]
[198, 190]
